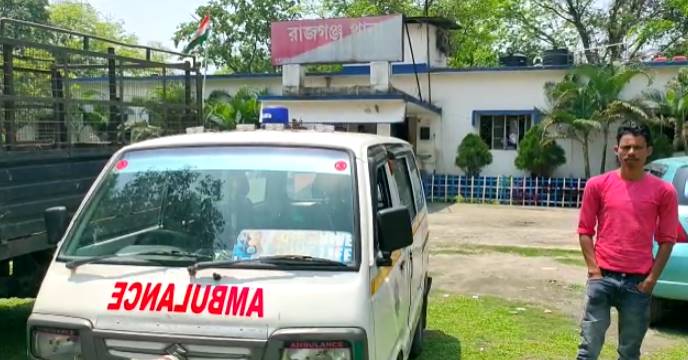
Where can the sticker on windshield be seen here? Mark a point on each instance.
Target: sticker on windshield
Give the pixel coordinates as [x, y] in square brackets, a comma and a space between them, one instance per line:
[331, 245]
[340, 165]
[121, 165]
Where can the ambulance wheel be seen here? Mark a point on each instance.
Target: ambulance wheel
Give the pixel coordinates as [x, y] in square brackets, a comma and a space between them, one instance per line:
[417, 342]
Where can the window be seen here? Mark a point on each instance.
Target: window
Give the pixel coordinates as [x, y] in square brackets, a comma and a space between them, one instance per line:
[419, 195]
[219, 202]
[400, 172]
[425, 133]
[657, 170]
[504, 132]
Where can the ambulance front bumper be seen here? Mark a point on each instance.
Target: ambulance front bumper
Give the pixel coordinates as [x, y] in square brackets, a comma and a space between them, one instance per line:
[57, 337]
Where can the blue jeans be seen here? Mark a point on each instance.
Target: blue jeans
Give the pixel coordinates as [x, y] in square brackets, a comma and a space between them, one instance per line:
[633, 306]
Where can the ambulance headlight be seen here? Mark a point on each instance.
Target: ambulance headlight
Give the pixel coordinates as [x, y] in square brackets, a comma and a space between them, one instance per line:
[56, 344]
[317, 350]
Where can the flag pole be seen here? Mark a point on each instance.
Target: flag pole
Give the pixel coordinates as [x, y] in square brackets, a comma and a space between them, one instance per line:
[205, 72]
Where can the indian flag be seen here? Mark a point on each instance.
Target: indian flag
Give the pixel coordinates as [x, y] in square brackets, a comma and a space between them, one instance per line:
[201, 34]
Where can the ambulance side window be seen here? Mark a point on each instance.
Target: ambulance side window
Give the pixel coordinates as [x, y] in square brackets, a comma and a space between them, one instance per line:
[382, 190]
[401, 176]
[418, 192]
[382, 197]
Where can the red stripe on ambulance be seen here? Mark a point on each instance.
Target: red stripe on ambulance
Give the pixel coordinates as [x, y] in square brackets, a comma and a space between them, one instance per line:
[197, 299]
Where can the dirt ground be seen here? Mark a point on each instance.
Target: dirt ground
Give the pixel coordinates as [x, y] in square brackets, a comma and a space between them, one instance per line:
[536, 280]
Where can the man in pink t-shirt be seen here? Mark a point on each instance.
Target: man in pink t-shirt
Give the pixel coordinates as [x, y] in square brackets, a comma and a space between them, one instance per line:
[627, 208]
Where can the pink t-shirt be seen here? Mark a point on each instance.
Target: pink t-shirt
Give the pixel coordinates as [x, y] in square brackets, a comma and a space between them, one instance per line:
[628, 214]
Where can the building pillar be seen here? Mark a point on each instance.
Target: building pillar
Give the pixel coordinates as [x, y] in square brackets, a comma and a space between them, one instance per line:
[293, 78]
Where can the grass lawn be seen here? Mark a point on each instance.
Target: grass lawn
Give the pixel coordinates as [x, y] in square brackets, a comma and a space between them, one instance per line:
[458, 328]
[565, 256]
[489, 328]
[13, 315]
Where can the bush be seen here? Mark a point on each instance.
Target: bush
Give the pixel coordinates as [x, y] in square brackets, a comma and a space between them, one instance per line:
[473, 155]
[537, 154]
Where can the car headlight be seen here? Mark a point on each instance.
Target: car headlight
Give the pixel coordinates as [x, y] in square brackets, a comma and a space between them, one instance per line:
[56, 344]
[317, 350]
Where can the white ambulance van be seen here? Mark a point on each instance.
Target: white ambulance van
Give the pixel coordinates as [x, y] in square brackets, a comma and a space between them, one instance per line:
[292, 244]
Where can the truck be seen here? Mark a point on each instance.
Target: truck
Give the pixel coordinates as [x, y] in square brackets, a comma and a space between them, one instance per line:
[69, 101]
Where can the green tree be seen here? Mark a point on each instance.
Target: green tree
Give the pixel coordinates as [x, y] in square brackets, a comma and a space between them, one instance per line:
[28, 10]
[82, 17]
[588, 100]
[225, 111]
[671, 107]
[569, 114]
[239, 38]
[606, 30]
[603, 86]
[539, 154]
[473, 155]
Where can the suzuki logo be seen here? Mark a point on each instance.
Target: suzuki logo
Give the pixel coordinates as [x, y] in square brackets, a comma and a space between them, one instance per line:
[175, 352]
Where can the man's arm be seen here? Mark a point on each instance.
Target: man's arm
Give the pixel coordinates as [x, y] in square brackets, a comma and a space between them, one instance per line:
[588, 249]
[660, 261]
[587, 222]
[665, 235]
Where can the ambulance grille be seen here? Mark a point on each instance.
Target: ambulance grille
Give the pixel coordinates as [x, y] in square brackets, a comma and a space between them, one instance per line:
[143, 349]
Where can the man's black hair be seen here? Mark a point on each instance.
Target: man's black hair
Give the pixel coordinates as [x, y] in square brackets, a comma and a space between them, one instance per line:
[639, 130]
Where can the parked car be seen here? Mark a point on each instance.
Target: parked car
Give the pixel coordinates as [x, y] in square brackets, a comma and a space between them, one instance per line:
[673, 284]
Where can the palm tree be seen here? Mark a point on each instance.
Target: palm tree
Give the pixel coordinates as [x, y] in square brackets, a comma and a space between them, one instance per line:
[588, 100]
[672, 107]
[570, 114]
[226, 111]
[604, 85]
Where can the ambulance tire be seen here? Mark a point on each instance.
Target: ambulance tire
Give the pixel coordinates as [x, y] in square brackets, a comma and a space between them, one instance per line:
[417, 342]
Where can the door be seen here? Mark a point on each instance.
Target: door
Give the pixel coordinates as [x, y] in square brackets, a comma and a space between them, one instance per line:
[390, 286]
[407, 181]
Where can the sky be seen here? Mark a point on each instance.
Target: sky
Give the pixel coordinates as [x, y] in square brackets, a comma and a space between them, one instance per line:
[149, 20]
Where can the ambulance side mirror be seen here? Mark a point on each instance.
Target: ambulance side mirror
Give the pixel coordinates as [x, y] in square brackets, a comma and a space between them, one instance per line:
[56, 221]
[395, 229]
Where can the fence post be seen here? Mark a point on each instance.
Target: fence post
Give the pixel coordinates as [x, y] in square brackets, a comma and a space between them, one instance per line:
[445, 187]
[472, 187]
[578, 194]
[535, 195]
[563, 194]
[458, 187]
[484, 187]
[523, 196]
[511, 190]
[499, 180]
[432, 188]
[549, 191]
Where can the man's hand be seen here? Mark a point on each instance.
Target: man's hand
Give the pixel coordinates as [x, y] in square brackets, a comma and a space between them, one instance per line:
[595, 273]
[646, 286]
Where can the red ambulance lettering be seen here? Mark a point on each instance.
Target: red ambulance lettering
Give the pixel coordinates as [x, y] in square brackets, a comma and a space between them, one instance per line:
[217, 302]
[117, 296]
[150, 296]
[215, 299]
[136, 288]
[182, 308]
[167, 299]
[195, 308]
[256, 304]
[236, 304]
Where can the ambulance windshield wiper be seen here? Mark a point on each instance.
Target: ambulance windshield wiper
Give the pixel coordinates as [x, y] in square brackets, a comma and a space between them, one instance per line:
[176, 253]
[270, 260]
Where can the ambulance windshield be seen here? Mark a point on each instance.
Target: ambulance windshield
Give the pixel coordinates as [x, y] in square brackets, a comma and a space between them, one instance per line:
[222, 203]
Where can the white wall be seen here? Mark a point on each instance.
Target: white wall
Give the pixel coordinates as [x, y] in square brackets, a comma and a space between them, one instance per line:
[461, 93]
